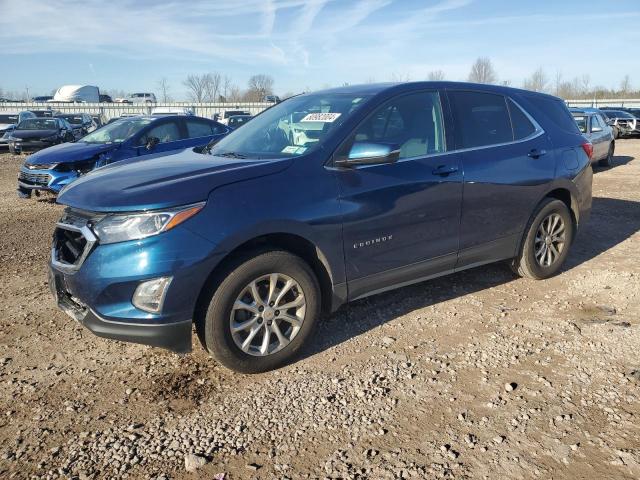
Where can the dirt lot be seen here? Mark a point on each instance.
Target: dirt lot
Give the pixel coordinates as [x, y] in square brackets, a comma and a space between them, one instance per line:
[476, 375]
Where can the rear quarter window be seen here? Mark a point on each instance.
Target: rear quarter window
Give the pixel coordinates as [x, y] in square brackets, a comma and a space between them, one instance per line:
[556, 111]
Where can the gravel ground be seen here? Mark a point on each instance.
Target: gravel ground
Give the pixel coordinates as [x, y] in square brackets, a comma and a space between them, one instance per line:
[476, 375]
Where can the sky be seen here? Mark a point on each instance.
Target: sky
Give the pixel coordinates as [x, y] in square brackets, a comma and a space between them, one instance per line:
[310, 44]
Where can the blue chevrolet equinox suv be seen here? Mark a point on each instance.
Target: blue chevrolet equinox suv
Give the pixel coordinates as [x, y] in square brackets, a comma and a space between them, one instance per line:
[322, 199]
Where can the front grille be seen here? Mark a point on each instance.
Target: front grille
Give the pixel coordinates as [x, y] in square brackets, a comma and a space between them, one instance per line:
[69, 245]
[35, 178]
[72, 240]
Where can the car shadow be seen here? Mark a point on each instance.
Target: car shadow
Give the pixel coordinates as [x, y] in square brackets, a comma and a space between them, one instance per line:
[612, 222]
[618, 161]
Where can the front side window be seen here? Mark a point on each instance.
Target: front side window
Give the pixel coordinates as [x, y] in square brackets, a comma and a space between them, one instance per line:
[167, 132]
[291, 128]
[412, 123]
[481, 119]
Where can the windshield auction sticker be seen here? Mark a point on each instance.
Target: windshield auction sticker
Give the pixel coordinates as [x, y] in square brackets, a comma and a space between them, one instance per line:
[321, 117]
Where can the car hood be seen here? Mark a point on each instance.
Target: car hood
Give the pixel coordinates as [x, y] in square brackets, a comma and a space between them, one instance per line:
[33, 134]
[69, 153]
[161, 181]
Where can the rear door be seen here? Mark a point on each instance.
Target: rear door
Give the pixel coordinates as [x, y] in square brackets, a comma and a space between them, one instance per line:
[401, 219]
[599, 137]
[507, 163]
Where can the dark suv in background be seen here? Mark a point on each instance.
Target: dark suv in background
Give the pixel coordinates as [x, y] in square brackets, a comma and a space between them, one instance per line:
[322, 199]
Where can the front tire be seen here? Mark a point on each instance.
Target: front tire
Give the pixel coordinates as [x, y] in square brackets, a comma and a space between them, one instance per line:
[262, 313]
[546, 243]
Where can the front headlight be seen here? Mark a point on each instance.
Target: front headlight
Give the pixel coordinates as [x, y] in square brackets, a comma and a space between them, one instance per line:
[134, 226]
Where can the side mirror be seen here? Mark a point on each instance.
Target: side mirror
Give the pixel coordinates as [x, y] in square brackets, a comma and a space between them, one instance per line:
[596, 129]
[369, 153]
[152, 142]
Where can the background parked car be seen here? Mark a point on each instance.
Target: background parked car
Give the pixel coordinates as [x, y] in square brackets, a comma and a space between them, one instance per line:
[38, 133]
[626, 122]
[99, 119]
[53, 168]
[236, 121]
[142, 98]
[82, 123]
[77, 93]
[105, 98]
[595, 128]
[232, 113]
[41, 98]
[8, 121]
[172, 111]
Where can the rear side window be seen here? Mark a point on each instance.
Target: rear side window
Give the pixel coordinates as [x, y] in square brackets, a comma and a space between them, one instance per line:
[197, 128]
[481, 119]
[556, 111]
[522, 126]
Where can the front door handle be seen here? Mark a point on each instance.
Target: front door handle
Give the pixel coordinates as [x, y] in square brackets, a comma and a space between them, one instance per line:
[445, 170]
[535, 153]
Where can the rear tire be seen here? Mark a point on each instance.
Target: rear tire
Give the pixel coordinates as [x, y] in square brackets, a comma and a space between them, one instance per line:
[546, 241]
[243, 312]
[608, 160]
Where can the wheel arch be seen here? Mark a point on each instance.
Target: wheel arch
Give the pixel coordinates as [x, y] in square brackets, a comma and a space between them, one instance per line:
[289, 242]
[565, 195]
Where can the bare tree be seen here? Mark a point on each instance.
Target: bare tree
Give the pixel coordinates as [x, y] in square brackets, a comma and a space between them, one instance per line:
[195, 87]
[212, 82]
[436, 76]
[225, 88]
[505, 83]
[163, 86]
[259, 86]
[557, 83]
[585, 84]
[625, 86]
[234, 95]
[400, 77]
[482, 71]
[537, 82]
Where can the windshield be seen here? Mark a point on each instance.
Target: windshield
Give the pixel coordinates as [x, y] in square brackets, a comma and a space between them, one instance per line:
[582, 123]
[8, 118]
[118, 131]
[37, 124]
[291, 128]
[72, 119]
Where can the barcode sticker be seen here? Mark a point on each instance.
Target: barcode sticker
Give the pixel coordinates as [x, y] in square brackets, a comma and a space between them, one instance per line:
[321, 117]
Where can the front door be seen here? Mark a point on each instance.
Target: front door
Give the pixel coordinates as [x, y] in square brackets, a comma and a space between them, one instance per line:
[401, 219]
[169, 133]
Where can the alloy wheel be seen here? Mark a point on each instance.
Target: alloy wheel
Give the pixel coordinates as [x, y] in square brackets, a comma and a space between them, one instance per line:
[550, 240]
[267, 314]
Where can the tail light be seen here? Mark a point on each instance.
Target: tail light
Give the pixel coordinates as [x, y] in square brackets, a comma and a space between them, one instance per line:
[588, 149]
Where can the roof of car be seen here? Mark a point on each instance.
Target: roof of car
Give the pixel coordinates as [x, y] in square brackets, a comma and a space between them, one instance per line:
[375, 88]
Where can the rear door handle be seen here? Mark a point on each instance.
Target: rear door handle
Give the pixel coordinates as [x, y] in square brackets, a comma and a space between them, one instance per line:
[535, 153]
[445, 170]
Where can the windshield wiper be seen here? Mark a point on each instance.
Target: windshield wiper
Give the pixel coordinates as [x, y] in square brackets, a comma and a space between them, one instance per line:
[231, 155]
